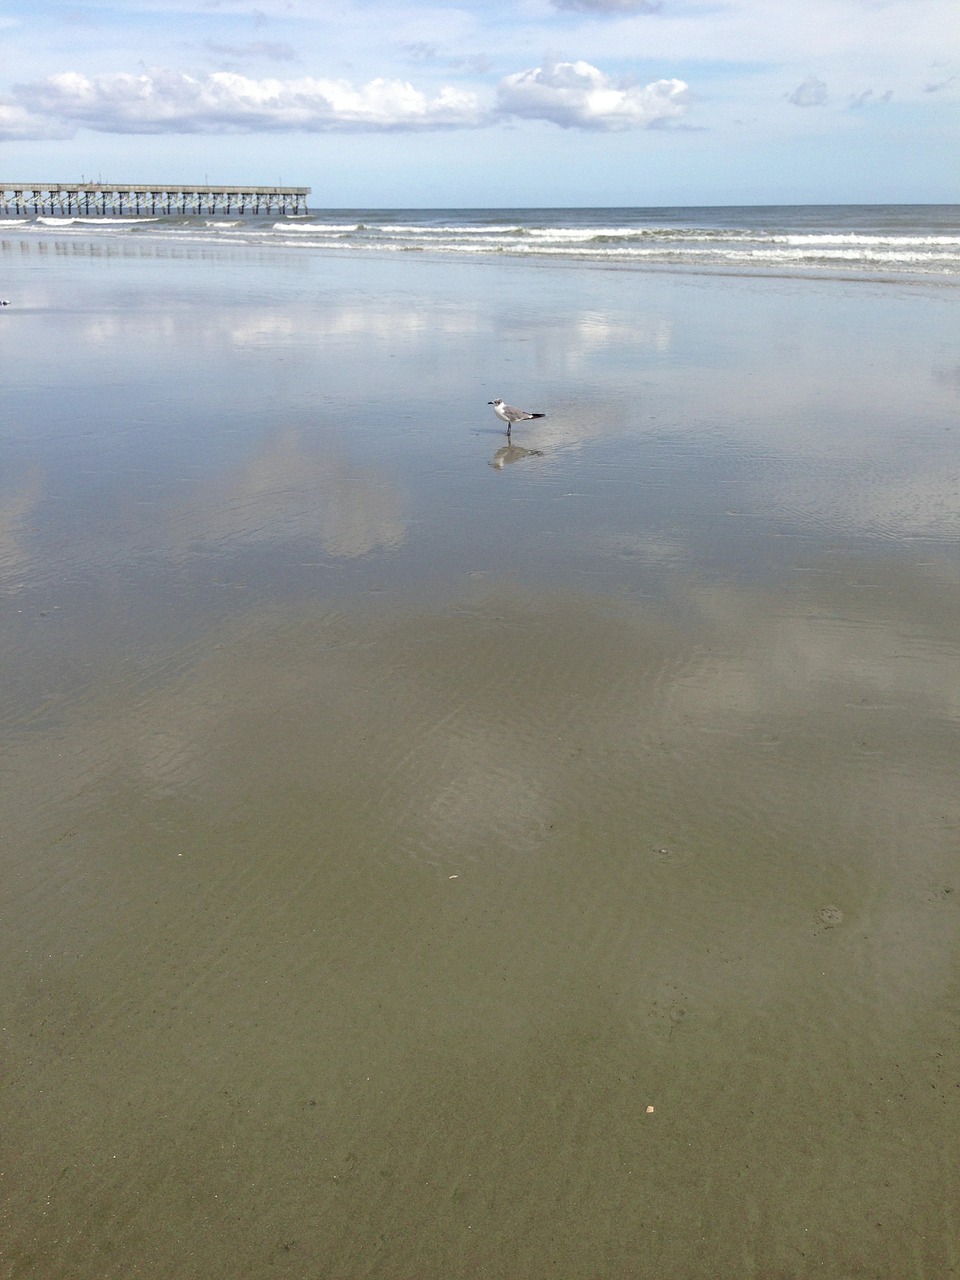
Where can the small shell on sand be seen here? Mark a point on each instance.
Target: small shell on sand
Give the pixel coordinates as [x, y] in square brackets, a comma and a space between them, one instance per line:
[830, 917]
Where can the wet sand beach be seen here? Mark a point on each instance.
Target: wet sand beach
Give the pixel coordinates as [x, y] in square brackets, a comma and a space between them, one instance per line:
[425, 860]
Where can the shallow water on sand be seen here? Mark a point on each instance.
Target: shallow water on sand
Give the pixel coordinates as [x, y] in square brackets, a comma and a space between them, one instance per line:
[422, 859]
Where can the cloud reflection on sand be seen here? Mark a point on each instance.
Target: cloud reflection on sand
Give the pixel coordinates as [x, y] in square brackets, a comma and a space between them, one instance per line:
[15, 510]
[378, 822]
[287, 492]
[373, 321]
[525, 735]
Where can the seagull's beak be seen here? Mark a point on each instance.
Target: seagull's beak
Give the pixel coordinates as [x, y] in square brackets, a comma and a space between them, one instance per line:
[489, 402]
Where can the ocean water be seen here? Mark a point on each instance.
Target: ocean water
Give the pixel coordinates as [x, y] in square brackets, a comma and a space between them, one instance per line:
[428, 855]
[916, 241]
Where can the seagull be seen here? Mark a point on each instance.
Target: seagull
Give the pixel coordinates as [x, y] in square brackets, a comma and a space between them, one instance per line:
[508, 414]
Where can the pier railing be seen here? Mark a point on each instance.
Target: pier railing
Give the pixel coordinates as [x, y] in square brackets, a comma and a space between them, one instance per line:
[114, 199]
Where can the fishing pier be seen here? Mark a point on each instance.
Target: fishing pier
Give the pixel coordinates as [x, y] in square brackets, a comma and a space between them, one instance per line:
[116, 199]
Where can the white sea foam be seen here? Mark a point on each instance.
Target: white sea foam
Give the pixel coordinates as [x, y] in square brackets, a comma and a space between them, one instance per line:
[106, 221]
[918, 242]
[313, 227]
[852, 238]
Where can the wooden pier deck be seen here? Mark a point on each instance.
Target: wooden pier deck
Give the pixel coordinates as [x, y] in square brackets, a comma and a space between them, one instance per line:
[116, 199]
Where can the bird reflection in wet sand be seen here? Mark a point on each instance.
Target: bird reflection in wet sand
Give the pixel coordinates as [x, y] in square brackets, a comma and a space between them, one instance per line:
[513, 453]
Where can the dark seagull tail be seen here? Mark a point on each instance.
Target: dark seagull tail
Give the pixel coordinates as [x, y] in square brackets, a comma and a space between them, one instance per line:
[536, 415]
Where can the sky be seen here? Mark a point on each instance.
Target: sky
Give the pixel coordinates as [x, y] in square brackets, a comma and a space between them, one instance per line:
[491, 103]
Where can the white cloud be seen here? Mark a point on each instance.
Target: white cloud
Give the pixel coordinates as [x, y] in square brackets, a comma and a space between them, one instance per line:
[162, 101]
[423, 53]
[617, 7]
[18, 125]
[272, 51]
[811, 93]
[866, 39]
[577, 95]
[869, 98]
[165, 101]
